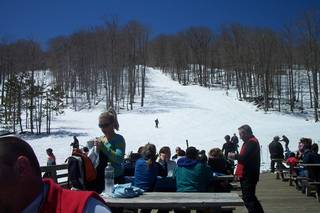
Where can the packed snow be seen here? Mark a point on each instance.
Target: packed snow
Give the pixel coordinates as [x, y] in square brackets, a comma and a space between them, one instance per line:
[200, 115]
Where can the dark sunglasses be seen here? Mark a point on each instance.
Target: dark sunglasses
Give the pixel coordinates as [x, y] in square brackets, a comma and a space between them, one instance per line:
[105, 125]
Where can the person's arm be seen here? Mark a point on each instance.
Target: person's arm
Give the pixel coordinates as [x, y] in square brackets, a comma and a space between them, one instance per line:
[223, 149]
[281, 148]
[250, 148]
[116, 155]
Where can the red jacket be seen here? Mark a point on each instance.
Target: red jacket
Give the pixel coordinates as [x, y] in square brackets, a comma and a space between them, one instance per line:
[249, 160]
[63, 200]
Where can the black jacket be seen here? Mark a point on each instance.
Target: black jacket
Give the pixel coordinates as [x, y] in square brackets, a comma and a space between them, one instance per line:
[276, 150]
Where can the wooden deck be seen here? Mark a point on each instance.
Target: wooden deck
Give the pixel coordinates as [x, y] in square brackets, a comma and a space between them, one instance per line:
[278, 197]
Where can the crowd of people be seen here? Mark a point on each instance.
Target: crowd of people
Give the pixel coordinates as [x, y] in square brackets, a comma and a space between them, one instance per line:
[189, 170]
[307, 153]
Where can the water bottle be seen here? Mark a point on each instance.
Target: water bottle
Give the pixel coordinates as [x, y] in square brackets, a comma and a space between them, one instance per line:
[108, 179]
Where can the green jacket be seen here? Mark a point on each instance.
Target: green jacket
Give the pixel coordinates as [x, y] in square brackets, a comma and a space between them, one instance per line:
[114, 149]
[192, 176]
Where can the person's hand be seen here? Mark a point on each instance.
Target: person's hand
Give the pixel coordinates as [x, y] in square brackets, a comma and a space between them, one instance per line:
[97, 142]
[232, 155]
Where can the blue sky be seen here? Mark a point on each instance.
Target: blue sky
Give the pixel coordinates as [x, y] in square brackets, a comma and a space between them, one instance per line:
[45, 19]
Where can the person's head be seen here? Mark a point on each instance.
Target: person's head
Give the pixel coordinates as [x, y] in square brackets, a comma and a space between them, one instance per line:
[276, 138]
[108, 121]
[314, 148]
[178, 149]
[192, 153]
[140, 149]
[245, 132]
[215, 153]
[181, 153]
[227, 138]
[306, 143]
[292, 154]
[202, 157]
[149, 153]
[165, 153]
[300, 146]
[20, 174]
[49, 151]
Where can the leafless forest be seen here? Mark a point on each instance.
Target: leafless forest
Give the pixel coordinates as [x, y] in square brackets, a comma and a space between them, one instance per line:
[277, 70]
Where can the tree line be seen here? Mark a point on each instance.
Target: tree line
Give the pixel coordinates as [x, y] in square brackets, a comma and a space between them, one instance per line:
[278, 70]
[106, 63]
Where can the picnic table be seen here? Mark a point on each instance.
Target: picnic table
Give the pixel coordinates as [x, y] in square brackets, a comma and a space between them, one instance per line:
[177, 200]
[224, 177]
[312, 182]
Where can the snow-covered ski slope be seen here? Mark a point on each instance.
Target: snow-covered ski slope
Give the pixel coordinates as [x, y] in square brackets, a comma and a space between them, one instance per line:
[201, 115]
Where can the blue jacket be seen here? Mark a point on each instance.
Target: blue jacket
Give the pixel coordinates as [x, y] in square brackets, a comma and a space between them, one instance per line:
[145, 177]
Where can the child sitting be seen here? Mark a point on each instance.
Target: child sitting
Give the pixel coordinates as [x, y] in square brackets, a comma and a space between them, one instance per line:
[292, 161]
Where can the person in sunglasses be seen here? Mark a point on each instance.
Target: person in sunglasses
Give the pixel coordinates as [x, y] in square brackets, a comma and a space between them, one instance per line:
[111, 147]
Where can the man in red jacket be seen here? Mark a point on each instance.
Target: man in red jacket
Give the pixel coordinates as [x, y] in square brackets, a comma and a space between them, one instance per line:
[248, 168]
[23, 190]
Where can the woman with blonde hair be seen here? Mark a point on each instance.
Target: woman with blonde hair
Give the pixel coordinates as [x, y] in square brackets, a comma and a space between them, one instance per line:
[111, 148]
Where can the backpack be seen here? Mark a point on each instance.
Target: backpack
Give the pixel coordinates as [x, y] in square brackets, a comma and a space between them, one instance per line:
[81, 172]
[90, 173]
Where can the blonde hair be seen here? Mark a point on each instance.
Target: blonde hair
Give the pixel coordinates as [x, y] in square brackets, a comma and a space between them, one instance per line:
[110, 116]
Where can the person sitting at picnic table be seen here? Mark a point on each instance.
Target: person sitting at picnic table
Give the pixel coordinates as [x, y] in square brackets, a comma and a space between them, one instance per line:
[310, 156]
[147, 169]
[191, 175]
[24, 190]
[292, 161]
[179, 153]
[218, 162]
[164, 158]
[219, 166]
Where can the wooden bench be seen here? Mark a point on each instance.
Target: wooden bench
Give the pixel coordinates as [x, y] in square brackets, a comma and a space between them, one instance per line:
[311, 184]
[59, 174]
